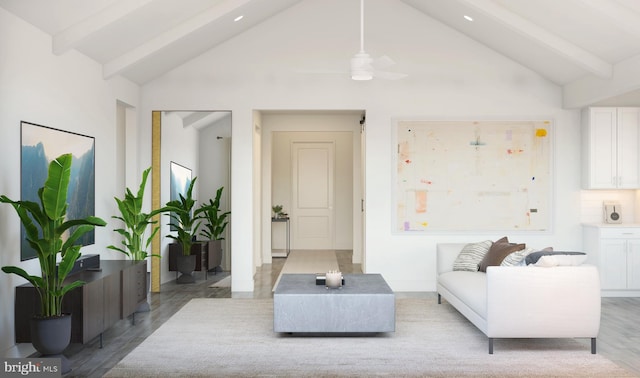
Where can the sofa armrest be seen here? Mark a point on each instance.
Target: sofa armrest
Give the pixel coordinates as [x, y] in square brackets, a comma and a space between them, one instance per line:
[529, 301]
[446, 254]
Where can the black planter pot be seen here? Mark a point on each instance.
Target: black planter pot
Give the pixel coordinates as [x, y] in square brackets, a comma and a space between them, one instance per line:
[186, 265]
[51, 336]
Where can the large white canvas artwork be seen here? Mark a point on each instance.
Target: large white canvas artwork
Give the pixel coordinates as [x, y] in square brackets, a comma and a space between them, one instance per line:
[473, 176]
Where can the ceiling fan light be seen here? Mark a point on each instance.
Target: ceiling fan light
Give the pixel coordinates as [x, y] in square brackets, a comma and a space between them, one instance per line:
[360, 67]
[361, 76]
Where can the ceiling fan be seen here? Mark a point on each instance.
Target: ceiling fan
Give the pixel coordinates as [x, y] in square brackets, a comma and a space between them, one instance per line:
[363, 67]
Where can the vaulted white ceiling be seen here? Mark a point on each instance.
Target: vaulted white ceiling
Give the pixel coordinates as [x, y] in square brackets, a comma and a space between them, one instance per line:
[573, 43]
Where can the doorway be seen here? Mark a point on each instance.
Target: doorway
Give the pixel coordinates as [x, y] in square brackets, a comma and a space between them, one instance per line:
[311, 164]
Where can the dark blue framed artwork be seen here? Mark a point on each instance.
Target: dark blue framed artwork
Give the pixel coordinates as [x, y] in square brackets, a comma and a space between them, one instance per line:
[39, 146]
[180, 179]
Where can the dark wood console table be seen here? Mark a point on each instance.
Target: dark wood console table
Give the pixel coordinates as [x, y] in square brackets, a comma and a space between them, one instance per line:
[108, 295]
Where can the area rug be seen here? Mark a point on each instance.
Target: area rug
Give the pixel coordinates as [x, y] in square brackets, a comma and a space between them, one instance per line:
[235, 338]
[309, 261]
[225, 282]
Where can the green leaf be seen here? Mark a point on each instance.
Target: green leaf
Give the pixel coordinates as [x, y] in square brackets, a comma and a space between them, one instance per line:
[66, 264]
[118, 249]
[71, 286]
[20, 272]
[143, 183]
[91, 221]
[54, 193]
[23, 209]
[77, 234]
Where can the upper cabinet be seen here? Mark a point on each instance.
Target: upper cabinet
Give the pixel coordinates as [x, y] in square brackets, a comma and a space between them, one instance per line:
[611, 137]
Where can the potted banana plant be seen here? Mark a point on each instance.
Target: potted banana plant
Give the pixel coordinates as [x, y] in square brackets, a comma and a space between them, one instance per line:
[136, 222]
[50, 234]
[213, 230]
[186, 221]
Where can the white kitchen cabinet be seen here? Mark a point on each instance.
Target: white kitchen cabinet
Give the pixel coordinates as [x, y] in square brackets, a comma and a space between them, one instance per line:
[616, 252]
[611, 157]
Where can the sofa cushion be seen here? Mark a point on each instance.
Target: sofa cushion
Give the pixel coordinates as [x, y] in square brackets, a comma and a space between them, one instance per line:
[471, 255]
[497, 253]
[558, 258]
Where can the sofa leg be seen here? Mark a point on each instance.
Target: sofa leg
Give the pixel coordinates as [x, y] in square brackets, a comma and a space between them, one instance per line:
[593, 345]
[491, 345]
[439, 299]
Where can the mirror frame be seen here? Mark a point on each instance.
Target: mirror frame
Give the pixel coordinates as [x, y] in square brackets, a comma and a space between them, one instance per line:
[156, 132]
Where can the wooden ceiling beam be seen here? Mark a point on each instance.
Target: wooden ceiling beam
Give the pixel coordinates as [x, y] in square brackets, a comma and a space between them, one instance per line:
[146, 50]
[75, 34]
[625, 18]
[559, 46]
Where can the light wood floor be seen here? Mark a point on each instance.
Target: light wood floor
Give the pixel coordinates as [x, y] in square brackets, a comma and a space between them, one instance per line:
[619, 338]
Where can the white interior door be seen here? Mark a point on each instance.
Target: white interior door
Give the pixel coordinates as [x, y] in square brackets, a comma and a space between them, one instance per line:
[312, 217]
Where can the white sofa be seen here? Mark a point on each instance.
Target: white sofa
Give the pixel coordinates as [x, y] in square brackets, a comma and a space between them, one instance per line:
[523, 301]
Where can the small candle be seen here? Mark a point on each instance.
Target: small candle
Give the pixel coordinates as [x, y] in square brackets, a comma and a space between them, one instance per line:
[333, 279]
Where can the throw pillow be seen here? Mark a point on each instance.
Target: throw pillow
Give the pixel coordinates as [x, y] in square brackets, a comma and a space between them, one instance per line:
[497, 253]
[503, 239]
[549, 259]
[517, 258]
[471, 255]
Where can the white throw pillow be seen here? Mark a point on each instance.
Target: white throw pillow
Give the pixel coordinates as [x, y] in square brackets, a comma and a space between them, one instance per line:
[560, 260]
[517, 257]
[471, 255]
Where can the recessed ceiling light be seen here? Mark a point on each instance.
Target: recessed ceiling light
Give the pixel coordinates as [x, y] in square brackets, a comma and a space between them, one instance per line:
[238, 18]
[468, 18]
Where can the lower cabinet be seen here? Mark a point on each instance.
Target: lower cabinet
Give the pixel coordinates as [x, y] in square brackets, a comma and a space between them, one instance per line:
[615, 250]
[134, 288]
[108, 295]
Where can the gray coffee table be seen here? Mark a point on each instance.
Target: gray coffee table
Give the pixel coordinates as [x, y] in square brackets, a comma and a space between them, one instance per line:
[364, 304]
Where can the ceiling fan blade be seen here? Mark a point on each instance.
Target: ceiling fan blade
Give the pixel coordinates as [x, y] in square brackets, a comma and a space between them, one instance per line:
[320, 71]
[382, 62]
[389, 75]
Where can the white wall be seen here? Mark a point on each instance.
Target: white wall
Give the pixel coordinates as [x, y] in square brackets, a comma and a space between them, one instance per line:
[215, 171]
[65, 92]
[592, 205]
[460, 79]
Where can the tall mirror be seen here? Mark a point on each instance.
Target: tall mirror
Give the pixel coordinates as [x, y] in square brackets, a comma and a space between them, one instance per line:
[199, 142]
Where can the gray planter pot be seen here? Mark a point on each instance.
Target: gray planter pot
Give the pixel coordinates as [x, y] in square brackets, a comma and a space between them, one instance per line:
[214, 247]
[186, 265]
[51, 336]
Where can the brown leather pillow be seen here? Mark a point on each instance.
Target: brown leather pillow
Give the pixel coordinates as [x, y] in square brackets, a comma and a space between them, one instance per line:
[503, 239]
[497, 253]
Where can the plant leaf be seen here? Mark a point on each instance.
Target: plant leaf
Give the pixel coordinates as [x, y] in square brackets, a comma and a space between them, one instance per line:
[54, 192]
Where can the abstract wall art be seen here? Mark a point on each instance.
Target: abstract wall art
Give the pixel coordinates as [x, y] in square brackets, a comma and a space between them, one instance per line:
[39, 146]
[180, 179]
[473, 176]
